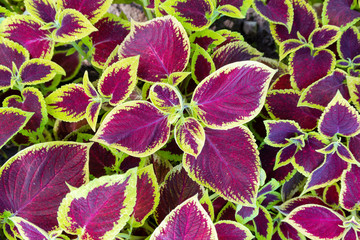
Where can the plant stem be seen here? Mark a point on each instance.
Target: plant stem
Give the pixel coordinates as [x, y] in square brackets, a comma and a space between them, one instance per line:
[147, 11]
[79, 49]
[148, 227]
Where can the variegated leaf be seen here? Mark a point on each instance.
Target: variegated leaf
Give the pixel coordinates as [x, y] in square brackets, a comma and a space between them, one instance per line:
[276, 11]
[43, 10]
[279, 131]
[12, 52]
[339, 13]
[232, 230]
[202, 64]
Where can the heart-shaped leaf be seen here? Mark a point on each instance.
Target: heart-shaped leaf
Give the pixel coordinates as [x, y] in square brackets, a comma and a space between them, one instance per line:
[316, 222]
[339, 13]
[119, 80]
[232, 230]
[193, 14]
[43, 10]
[137, 128]
[277, 11]
[235, 151]
[32, 100]
[324, 36]
[34, 180]
[339, 117]
[12, 52]
[82, 212]
[190, 136]
[12, 120]
[232, 95]
[187, 221]
[25, 29]
[166, 98]
[176, 188]
[91, 9]
[150, 40]
[73, 26]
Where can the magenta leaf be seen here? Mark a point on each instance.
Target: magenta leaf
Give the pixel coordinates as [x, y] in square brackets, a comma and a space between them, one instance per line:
[166, 98]
[26, 31]
[32, 100]
[206, 39]
[100, 159]
[306, 67]
[282, 104]
[193, 14]
[12, 52]
[176, 188]
[339, 12]
[12, 120]
[289, 46]
[276, 11]
[320, 93]
[111, 32]
[232, 230]
[315, 221]
[235, 151]
[43, 10]
[234, 52]
[187, 221]
[279, 131]
[92, 9]
[84, 213]
[295, 202]
[283, 82]
[161, 167]
[6, 77]
[245, 84]
[286, 231]
[28, 230]
[354, 146]
[137, 128]
[349, 195]
[201, 64]
[339, 117]
[36, 179]
[147, 195]
[263, 224]
[227, 212]
[150, 40]
[303, 12]
[331, 195]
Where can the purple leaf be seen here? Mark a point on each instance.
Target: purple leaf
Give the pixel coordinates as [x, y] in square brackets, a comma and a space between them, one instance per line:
[283, 82]
[324, 36]
[5, 77]
[147, 195]
[282, 104]
[276, 11]
[193, 14]
[70, 63]
[26, 30]
[354, 146]
[320, 93]
[339, 117]
[306, 68]
[161, 167]
[279, 131]
[187, 221]
[119, 80]
[43, 10]
[285, 155]
[201, 64]
[92, 9]
[100, 158]
[12, 52]
[36, 179]
[289, 46]
[339, 12]
[28, 230]
[331, 195]
[12, 120]
[286, 231]
[73, 26]
[350, 190]
[206, 39]
[293, 203]
[316, 221]
[349, 44]
[246, 214]
[82, 212]
[111, 32]
[228, 164]
[92, 113]
[234, 52]
[151, 40]
[263, 224]
[176, 188]
[166, 98]
[137, 128]
[33, 101]
[232, 230]
[245, 84]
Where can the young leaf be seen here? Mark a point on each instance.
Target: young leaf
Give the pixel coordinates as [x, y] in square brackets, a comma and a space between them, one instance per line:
[234, 52]
[161, 167]
[60, 103]
[150, 40]
[234, 150]
[92, 113]
[43, 10]
[32, 100]
[73, 26]
[147, 196]
[242, 6]
[339, 13]
[316, 222]
[201, 64]
[12, 52]
[263, 224]
[82, 212]
[331, 195]
[176, 188]
[6, 77]
[281, 83]
[349, 44]
[349, 195]
[289, 46]
[119, 80]
[137, 128]
[12, 120]
[279, 131]
[28, 230]
[227, 212]
[245, 84]
[91, 9]
[324, 36]
[190, 136]
[194, 15]
[166, 98]
[34, 180]
[26, 30]
[206, 39]
[278, 12]
[339, 117]
[187, 221]
[232, 230]
[245, 214]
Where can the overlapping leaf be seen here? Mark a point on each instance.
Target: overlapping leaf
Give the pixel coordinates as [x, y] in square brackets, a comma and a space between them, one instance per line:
[12, 52]
[166, 98]
[232, 230]
[275, 11]
[201, 64]
[43, 10]
[339, 12]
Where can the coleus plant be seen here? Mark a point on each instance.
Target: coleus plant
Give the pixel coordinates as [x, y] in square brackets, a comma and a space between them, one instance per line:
[165, 135]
